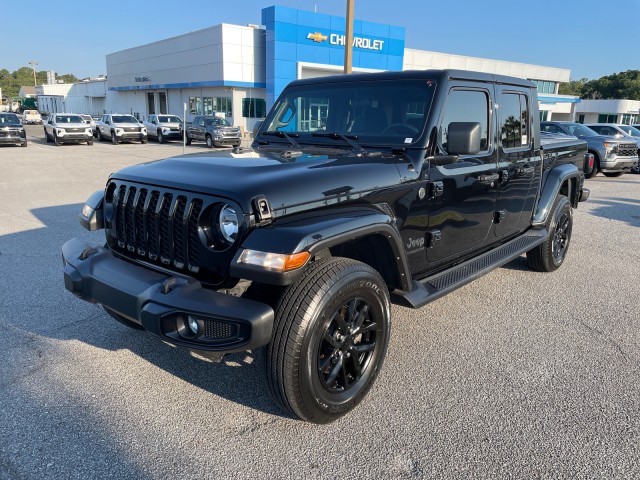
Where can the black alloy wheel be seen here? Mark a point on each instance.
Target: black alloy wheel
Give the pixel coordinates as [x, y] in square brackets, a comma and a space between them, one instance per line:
[346, 347]
[550, 254]
[330, 336]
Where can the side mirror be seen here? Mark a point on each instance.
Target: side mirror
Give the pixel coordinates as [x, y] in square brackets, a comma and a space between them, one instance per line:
[463, 138]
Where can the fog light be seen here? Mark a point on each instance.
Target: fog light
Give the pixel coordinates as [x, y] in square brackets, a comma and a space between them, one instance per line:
[193, 324]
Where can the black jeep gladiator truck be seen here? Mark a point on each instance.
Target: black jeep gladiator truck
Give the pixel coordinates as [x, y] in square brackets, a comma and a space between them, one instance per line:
[358, 190]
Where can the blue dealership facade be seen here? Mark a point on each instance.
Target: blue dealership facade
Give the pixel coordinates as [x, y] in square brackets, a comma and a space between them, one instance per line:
[238, 71]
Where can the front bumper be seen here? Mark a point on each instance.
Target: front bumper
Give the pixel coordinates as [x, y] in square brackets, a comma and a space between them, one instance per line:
[14, 139]
[618, 164]
[161, 303]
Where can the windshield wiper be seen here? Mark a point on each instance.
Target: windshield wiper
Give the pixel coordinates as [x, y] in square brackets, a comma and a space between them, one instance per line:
[288, 136]
[347, 138]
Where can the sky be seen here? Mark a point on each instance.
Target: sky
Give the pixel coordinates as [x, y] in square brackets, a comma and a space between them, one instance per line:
[70, 36]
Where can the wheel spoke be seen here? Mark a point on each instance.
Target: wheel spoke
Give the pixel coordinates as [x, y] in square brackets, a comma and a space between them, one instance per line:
[355, 361]
[337, 368]
[364, 347]
[330, 340]
[368, 327]
[325, 363]
[362, 314]
[339, 318]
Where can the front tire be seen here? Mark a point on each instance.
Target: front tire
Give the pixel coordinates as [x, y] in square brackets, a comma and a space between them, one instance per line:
[329, 339]
[596, 167]
[46, 136]
[550, 254]
[56, 140]
[114, 138]
[187, 140]
[160, 137]
[209, 141]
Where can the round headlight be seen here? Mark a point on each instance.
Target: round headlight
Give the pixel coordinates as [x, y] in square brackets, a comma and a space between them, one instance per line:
[228, 223]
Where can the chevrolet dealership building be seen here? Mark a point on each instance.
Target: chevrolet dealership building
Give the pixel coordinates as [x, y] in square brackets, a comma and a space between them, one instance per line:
[238, 71]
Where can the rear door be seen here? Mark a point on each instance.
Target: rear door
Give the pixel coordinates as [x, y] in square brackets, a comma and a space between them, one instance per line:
[518, 164]
[463, 203]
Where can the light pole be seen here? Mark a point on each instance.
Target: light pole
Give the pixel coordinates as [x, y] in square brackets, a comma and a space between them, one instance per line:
[348, 47]
[33, 64]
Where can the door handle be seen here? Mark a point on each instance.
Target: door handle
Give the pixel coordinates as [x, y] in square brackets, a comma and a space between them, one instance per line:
[489, 179]
[525, 171]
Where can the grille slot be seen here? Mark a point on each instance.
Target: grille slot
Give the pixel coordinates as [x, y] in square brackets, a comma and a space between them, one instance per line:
[156, 225]
[218, 330]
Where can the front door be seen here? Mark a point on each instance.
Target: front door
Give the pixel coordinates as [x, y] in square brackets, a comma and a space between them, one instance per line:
[462, 206]
[518, 164]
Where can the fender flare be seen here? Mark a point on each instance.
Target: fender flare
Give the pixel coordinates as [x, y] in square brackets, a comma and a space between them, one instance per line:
[314, 232]
[556, 177]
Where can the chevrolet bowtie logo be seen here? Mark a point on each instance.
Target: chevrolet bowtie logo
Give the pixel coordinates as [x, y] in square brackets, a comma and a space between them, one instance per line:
[317, 37]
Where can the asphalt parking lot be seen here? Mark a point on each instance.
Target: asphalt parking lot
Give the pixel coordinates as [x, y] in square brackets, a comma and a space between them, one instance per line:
[517, 375]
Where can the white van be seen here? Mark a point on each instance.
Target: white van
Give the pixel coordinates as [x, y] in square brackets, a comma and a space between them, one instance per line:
[31, 116]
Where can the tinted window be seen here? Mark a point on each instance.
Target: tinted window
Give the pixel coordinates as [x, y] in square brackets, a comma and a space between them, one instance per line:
[68, 119]
[124, 119]
[9, 118]
[514, 126]
[466, 106]
[550, 128]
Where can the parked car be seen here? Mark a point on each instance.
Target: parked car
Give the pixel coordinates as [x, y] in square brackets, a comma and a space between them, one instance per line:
[31, 117]
[296, 246]
[164, 127]
[88, 119]
[214, 131]
[11, 130]
[120, 128]
[67, 128]
[613, 156]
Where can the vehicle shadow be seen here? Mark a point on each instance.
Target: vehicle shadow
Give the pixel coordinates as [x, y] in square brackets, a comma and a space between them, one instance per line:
[41, 306]
[620, 209]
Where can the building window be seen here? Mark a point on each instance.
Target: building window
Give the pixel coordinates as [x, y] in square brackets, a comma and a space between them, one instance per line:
[195, 105]
[162, 97]
[544, 115]
[207, 104]
[581, 118]
[607, 118]
[628, 119]
[254, 108]
[223, 104]
[151, 103]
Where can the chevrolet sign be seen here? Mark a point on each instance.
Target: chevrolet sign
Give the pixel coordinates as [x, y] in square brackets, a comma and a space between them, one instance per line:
[336, 39]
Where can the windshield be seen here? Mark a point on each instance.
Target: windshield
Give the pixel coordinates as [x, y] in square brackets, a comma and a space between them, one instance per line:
[169, 119]
[68, 119]
[629, 130]
[216, 121]
[9, 118]
[123, 119]
[579, 129]
[390, 112]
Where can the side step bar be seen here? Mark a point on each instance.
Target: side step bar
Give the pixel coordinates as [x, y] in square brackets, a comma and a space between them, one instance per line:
[431, 288]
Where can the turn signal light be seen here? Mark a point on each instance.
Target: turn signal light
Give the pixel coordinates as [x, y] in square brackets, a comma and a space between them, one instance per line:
[274, 261]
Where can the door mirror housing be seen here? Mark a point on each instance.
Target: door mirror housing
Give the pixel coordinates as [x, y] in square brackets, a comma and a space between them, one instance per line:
[463, 138]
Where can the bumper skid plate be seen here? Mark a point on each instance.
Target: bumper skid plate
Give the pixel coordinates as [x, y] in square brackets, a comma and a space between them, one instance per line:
[176, 308]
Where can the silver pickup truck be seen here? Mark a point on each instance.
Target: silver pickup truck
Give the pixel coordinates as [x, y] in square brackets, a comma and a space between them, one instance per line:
[214, 131]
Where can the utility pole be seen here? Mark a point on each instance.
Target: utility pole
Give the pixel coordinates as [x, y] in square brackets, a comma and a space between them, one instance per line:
[348, 47]
[33, 64]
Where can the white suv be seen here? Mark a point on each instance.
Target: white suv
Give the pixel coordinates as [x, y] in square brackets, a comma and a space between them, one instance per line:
[164, 127]
[67, 128]
[120, 128]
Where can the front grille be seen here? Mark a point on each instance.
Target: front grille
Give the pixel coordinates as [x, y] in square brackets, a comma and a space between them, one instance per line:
[74, 130]
[131, 129]
[627, 149]
[155, 225]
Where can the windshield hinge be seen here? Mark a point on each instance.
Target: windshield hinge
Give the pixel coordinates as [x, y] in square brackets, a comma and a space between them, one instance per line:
[261, 209]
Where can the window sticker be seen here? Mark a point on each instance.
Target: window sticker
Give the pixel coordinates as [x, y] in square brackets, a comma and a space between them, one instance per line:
[408, 140]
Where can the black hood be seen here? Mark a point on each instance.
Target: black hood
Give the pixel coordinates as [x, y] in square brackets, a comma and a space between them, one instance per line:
[286, 181]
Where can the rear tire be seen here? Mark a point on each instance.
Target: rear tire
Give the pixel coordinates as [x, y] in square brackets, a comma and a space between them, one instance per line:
[550, 254]
[612, 174]
[329, 340]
